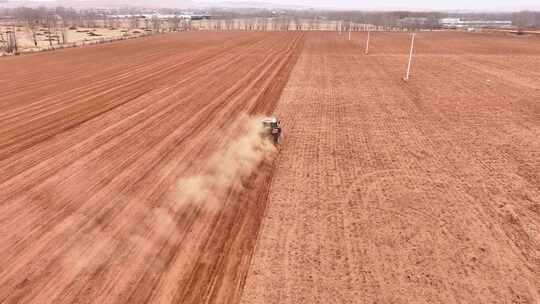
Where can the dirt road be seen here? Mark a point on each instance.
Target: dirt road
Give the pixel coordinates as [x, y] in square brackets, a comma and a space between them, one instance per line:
[394, 192]
[104, 150]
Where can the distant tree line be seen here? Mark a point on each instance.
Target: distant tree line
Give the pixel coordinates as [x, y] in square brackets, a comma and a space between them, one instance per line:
[524, 19]
[52, 24]
[91, 18]
[49, 17]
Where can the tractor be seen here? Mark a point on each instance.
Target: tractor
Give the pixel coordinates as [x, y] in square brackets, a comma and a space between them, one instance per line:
[272, 129]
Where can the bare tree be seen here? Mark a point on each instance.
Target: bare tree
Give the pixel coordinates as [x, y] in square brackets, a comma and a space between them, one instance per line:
[63, 32]
[297, 22]
[146, 24]
[526, 19]
[31, 19]
[174, 23]
[12, 46]
[156, 24]
[133, 22]
[51, 23]
[33, 26]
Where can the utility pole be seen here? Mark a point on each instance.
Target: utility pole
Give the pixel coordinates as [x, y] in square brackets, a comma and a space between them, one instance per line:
[410, 58]
[367, 43]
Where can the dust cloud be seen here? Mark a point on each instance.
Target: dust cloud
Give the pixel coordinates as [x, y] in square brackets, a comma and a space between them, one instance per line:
[228, 167]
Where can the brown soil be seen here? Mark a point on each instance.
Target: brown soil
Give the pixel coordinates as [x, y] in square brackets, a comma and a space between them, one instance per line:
[99, 153]
[395, 192]
[129, 173]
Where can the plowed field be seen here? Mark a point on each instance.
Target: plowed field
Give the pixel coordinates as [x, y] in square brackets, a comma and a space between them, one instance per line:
[131, 172]
[395, 192]
[109, 158]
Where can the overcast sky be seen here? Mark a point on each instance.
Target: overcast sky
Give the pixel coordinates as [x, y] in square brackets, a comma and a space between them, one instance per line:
[418, 4]
[484, 5]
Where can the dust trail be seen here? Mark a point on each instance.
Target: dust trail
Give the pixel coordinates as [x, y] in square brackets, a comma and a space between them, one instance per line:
[228, 167]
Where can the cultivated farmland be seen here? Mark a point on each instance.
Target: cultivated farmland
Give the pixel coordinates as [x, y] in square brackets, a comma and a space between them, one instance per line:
[387, 191]
[131, 172]
[122, 167]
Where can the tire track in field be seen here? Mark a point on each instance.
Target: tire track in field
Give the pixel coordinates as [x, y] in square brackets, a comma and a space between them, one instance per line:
[403, 192]
[118, 215]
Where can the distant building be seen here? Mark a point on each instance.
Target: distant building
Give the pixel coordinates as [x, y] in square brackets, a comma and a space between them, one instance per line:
[417, 22]
[188, 16]
[157, 15]
[413, 21]
[458, 23]
[196, 16]
[449, 22]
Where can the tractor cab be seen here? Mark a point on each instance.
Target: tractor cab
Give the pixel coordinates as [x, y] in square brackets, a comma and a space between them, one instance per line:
[272, 128]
